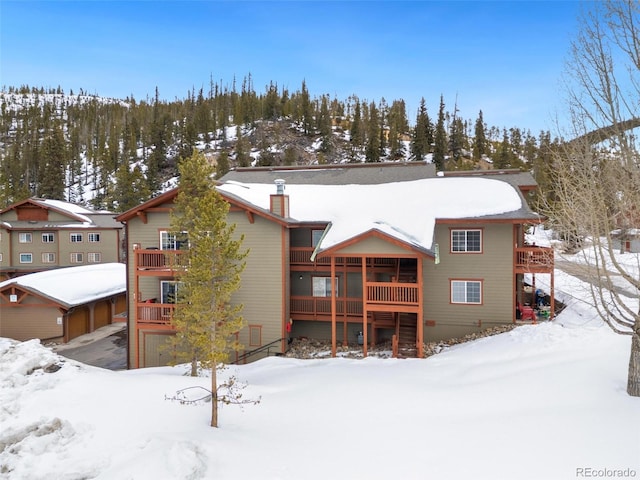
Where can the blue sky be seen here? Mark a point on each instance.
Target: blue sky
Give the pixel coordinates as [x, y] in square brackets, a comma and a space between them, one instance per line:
[504, 58]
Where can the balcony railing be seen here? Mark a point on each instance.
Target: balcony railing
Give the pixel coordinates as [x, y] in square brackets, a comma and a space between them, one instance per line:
[154, 313]
[302, 256]
[393, 293]
[307, 305]
[160, 260]
[534, 259]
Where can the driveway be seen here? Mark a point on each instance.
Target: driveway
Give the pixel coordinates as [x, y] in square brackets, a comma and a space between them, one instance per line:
[104, 348]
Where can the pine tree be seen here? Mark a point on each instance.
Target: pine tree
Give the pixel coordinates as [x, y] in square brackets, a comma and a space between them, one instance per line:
[205, 318]
[372, 150]
[357, 131]
[440, 139]
[480, 140]
[52, 181]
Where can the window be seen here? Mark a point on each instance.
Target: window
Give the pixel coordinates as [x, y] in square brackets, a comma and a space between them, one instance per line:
[48, 237]
[26, 258]
[255, 335]
[316, 235]
[466, 241]
[94, 237]
[24, 237]
[466, 291]
[94, 257]
[76, 237]
[173, 241]
[48, 257]
[322, 286]
[169, 291]
[0, 257]
[76, 257]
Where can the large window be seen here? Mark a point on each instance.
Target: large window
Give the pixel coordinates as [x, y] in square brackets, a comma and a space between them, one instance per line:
[94, 237]
[173, 241]
[169, 291]
[94, 257]
[466, 241]
[76, 257]
[48, 257]
[48, 237]
[466, 291]
[322, 286]
[75, 237]
[24, 237]
[26, 258]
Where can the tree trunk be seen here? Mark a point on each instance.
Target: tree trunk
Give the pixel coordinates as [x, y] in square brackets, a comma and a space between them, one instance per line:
[633, 379]
[214, 395]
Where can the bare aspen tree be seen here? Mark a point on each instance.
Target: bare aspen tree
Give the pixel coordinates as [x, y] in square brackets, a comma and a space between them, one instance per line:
[595, 192]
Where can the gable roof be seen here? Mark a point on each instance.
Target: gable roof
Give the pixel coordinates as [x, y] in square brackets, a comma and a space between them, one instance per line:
[76, 213]
[73, 286]
[406, 211]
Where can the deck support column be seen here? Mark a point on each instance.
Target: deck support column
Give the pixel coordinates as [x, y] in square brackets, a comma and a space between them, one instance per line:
[333, 306]
[420, 332]
[365, 313]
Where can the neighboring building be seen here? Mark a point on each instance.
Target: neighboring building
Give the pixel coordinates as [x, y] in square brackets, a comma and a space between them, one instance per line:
[39, 234]
[626, 240]
[412, 256]
[61, 304]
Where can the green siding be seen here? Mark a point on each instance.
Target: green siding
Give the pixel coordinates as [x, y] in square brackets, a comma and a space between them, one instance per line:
[494, 267]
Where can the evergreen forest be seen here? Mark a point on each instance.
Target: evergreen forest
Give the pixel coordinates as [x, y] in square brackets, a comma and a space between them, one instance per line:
[113, 154]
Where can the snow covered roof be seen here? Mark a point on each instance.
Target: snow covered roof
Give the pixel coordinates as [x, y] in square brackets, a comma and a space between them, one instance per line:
[405, 210]
[74, 286]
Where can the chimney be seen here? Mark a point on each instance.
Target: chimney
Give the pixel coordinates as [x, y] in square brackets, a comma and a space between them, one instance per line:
[280, 202]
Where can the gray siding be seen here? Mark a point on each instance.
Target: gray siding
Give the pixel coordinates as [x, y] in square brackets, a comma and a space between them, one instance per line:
[494, 267]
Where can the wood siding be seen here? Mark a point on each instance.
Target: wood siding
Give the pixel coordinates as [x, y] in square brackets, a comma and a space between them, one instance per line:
[265, 278]
[493, 267]
[28, 323]
[372, 246]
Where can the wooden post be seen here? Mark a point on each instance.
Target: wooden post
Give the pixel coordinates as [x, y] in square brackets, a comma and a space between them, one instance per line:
[420, 319]
[365, 313]
[333, 306]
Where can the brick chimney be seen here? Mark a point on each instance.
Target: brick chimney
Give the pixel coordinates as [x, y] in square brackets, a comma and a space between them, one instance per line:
[279, 204]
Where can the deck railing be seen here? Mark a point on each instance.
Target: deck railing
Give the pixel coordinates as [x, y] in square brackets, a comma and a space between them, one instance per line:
[322, 305]
[534, 259]
[392, 293]
[302, 256]
[154, 313]
[162, 260]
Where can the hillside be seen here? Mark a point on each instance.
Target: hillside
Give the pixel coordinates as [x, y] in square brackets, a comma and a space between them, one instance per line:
[115, 153]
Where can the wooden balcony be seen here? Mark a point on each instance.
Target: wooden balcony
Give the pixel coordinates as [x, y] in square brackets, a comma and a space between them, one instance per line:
[154, 313]
[534, 259]
[159, 262]
[319, 308]
[381, 296]
[393, 296]
[301, 256]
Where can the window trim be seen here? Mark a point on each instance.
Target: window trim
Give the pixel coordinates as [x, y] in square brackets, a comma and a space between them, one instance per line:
[48, 235]
[466, 242]
[77, 255]
[95, 255]
[25, 235]
[177, 244]
[30, 257]
[466, 281]
[52, 255]
[94, 235]
[327, 286]
[176, 284]
[73, 235]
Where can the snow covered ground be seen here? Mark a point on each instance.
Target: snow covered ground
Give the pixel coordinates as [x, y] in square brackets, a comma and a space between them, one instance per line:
[541, 402]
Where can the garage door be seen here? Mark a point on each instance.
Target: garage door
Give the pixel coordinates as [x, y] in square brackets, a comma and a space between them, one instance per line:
[78, 323]
[102, 314]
